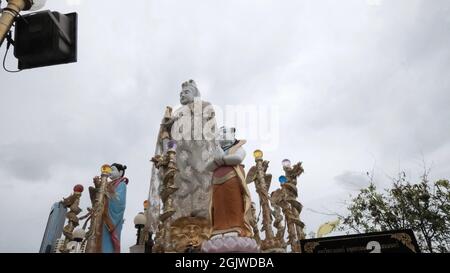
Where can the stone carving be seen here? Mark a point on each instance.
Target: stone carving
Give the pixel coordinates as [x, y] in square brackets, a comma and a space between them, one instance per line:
[188, 233]
[258, 174]
[254, 223]
[72, 202]
[167, 166]
[290, 206]
[278, 218]
[231, 244]
[192, 126]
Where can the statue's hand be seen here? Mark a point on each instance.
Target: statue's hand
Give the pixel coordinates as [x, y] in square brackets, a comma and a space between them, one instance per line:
[168, 122]
[97, 181]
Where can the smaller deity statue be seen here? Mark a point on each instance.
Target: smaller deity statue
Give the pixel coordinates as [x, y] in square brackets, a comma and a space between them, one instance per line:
[230, 210]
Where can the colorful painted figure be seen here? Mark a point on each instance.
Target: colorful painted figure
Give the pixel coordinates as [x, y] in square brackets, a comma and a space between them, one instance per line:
[114, 209]
[230, 203]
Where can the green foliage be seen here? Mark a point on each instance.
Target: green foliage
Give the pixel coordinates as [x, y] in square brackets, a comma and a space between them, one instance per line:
[422, 207]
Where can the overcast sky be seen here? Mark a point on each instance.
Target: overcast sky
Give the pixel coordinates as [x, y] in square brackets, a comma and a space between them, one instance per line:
[360, 85]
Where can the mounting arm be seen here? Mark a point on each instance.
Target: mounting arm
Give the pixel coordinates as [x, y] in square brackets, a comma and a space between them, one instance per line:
[9, 14]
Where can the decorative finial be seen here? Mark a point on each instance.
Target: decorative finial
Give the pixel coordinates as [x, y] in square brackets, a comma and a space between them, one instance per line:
[78, 188]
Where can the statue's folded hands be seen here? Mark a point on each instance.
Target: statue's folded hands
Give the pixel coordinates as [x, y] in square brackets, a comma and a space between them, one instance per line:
[234, 159]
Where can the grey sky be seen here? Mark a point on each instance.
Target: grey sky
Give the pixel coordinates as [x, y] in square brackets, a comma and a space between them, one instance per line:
[360, 85]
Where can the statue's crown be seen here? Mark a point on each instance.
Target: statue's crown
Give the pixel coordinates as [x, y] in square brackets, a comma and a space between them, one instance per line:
[190, 83]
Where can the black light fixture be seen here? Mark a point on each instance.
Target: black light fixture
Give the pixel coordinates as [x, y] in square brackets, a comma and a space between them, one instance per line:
[149, 243]
[139, 223]
[45, 38]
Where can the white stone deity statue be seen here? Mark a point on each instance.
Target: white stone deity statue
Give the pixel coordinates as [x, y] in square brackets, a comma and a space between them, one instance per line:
[193, 127]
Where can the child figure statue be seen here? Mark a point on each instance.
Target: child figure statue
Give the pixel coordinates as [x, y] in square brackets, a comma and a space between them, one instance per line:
[230, 208]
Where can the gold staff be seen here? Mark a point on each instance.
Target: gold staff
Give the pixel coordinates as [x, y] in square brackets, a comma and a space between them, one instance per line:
[167, 164]
[292, 208]
[262, 185]
[94, 236]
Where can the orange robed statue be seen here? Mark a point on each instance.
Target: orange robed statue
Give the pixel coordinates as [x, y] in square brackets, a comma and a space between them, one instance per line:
[230, 209]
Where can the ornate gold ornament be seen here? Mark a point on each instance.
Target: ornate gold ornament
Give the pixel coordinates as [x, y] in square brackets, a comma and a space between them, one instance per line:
[167, 164]
[262, 181]
[188, 233]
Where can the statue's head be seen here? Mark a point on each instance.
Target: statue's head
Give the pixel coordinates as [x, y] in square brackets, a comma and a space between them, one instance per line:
[117, 171]
[189, 92]
[227, 137]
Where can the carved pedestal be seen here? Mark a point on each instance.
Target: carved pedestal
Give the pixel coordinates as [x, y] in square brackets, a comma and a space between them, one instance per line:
[137, 249]
[188, 233]
[231, 244]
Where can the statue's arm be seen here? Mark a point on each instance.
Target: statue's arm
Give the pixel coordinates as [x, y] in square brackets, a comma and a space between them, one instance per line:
[168, 122]
[211, 166]
[236, 158]
[217, 161]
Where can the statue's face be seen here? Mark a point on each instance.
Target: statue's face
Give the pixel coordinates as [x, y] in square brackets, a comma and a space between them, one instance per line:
[115, 173]
[186, 96]
[226, 138]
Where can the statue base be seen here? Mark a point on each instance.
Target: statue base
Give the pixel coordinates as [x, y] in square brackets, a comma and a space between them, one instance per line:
[271, 246]
[188, 233]
[230, 244]
[137, 249]
[274, 250]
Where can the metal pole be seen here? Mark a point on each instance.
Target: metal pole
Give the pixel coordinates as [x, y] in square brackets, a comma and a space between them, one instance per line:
[138, 235]
[9, 14]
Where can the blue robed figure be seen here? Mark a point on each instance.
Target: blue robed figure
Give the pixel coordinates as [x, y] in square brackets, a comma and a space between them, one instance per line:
[114, 209]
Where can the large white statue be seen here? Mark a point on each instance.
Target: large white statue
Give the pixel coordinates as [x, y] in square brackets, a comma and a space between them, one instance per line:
[193, 127]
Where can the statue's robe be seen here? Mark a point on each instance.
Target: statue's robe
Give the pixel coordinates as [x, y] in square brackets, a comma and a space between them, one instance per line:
[113, 215]
[230, 207]
[193, 180]
[195, 149]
